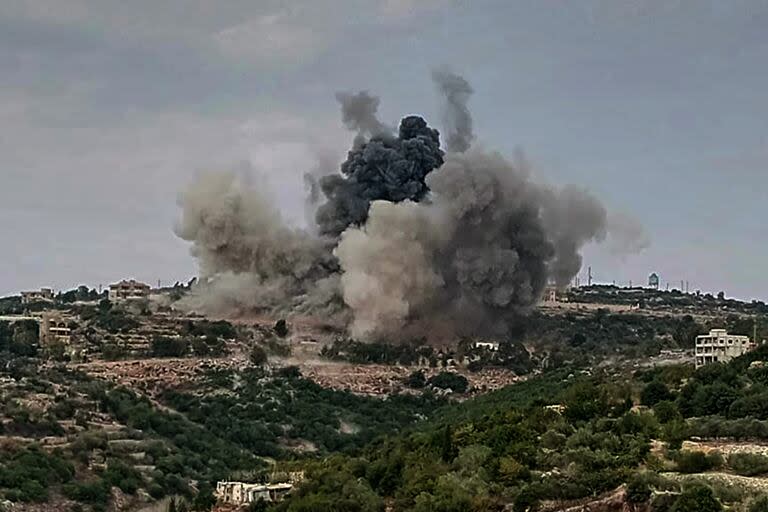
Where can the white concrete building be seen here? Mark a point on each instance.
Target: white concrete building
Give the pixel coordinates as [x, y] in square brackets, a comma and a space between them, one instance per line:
[128, 290]
[720, 347]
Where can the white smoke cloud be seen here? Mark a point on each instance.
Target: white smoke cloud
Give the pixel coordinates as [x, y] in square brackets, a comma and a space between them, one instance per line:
[247, 255]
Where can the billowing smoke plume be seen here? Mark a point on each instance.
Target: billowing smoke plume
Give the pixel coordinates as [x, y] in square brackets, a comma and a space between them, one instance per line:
[456, 117]
[474, 255]
[249, 259]
[385, 168]
[358, 113]
[572, 218]
[408, 239]
[626, 235]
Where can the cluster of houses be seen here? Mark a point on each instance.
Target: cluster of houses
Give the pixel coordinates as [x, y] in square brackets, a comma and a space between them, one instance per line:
[56, 325]
[716, 346]
[123, 291]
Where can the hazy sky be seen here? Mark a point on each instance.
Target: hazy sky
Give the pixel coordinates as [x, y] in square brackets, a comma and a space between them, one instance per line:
[108, 108]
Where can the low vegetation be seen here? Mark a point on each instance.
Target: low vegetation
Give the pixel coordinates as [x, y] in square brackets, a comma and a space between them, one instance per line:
[268, 414]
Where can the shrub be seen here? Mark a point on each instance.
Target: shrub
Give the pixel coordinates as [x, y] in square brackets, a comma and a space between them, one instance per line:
[638, 490]
[258, 356]
[208, 346]
[526, 500]
[755, 406]
[675, 432]
[510, 470]
[416, 380]
[583, 401]
[281, 328]
[217, 329]
[32, 490]
[289, 372]
[27, 474]
[697, 498]
[156, 490]
[759, 505]
[95, 492]
[24, 341]
[662, 502]
[121, 475]
[450, 380]
[655, 392]
[748, 464]
[666, 411]
[114, 320]
[162, 346]
[697, 462]
[113, 352]
[205, 498]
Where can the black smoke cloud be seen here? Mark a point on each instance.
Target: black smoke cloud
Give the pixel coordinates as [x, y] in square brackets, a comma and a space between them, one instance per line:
[386, 167]
[408, 237]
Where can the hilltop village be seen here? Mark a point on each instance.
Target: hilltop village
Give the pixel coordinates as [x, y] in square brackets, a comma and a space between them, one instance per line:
[117, 400]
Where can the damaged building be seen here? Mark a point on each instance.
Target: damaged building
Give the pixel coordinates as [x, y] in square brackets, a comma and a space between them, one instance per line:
[241, 493]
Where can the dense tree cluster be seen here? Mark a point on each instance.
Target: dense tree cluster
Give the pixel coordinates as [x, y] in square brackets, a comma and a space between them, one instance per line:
[27, 474]
[509, 448]
[646, 297]
[79, 294]
[518, 455]
[110, 318]
[737, 390]
[265, 412]
[20, 338]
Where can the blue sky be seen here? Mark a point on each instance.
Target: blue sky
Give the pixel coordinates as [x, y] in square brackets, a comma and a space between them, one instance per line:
[109, 108]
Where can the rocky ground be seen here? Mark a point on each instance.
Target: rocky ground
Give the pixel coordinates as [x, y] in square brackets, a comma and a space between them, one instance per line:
[151, 376]
[378, 379]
